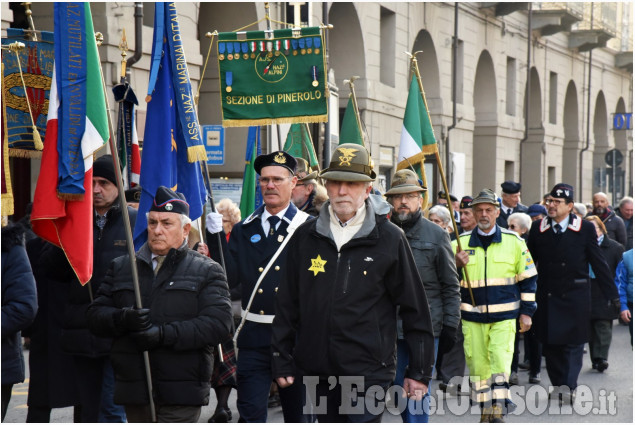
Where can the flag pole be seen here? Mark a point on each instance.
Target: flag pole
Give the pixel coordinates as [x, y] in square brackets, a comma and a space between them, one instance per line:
[445, 184]
[127, 227]
[357, 117]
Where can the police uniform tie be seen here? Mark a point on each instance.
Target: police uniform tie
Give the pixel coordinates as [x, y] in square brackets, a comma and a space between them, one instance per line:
[273, 221]
[558, 229]
[159, 259]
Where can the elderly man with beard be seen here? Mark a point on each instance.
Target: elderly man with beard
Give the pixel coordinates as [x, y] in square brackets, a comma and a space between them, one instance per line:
[503, 285]
[336, 311]
[433, 256]
[615, 228]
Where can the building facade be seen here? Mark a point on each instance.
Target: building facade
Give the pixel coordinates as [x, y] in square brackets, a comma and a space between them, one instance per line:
[532, 92]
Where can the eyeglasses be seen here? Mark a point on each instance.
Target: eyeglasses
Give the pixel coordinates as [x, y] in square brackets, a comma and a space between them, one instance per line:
[556, 202]
[408, 196]
[277, 181]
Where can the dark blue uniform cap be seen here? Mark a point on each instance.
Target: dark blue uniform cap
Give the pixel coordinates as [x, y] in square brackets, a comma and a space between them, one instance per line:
[562, 190]
[510, 187]
[167, 200]
[277, 158]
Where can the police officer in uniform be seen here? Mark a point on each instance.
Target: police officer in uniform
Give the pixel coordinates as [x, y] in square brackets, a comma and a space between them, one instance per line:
[253, 244]
[510, 202]
[563, 246]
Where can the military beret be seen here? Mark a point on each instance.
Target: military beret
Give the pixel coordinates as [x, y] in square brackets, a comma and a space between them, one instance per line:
[134, 194]
[562, 190]
[536, 209]
[486, 196]
[167, 200]
[103, 167]
[465, 202]
[441, 195]
[510, 187]
[277, 158]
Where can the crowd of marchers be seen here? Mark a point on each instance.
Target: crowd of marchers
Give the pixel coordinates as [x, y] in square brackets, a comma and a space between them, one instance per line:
[328, 278]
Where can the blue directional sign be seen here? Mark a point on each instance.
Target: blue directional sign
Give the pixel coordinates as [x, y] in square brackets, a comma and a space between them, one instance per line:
[214, 139]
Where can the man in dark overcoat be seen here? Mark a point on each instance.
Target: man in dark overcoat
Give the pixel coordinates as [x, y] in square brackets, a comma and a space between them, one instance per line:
[563, 245]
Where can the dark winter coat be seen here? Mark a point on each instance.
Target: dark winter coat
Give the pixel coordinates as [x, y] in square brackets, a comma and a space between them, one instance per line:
[432, 252]
[563, 291]
[108, 244]
[601, 307]
[51, 371]
[501, 220]
[615, 227]
[628, 225]
[340, 318]
[19, 302]
[190, 299]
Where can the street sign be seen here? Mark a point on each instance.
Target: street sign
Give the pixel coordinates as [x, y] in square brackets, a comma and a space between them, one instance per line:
[214, 137]
[613, 158]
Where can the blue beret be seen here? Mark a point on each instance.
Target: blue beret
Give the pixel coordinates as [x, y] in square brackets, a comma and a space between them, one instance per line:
[510, 187]
[536, 209]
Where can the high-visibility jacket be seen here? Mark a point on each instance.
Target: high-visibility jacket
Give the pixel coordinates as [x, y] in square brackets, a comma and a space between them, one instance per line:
[503, 278]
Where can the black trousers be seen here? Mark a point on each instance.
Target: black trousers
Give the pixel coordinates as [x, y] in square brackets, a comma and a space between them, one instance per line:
[564, 363]
[363, 407]
[452, 363]
[6, 398]
[183, 414]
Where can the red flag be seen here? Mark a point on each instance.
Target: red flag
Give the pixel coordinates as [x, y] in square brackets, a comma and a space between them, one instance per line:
[67, 224]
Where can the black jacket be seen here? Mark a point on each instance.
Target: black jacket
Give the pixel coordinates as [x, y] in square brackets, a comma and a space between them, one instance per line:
[108, 244]
[501, 220]
[601, 307]
[563, 291]
[19, 302]
[628, 225]
[336, 311]
[615, 227]
[189, 297]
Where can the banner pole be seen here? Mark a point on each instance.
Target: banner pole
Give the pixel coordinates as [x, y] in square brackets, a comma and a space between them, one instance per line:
[445, 184]
[127, 227]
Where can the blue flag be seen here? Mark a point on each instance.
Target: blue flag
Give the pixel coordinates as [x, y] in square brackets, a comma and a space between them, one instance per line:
[165, 148]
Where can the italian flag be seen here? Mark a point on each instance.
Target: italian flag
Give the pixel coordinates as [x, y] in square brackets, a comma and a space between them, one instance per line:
[66, 223]
[417, 135]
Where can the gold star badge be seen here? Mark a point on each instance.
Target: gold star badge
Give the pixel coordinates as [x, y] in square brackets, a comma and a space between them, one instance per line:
[317, 265]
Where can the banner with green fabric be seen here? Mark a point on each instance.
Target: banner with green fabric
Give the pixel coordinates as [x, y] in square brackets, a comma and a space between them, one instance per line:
[272, 77]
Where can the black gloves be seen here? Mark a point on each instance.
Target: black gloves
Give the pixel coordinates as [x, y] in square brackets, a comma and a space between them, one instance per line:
[616, 306]
[149, 338]
[133, 319]
[447, 338]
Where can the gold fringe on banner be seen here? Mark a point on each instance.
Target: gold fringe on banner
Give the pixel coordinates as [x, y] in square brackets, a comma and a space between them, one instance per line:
[196, 153]
[22, 153]
[272, 121]
[70, 196]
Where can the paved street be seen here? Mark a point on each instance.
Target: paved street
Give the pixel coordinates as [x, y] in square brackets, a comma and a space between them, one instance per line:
[609, 397]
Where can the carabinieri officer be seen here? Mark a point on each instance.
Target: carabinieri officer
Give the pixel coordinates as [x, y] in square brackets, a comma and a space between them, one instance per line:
[255, 259]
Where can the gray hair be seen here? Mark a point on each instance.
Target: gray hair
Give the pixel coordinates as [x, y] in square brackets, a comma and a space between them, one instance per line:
[442, 212]
[579, 208]
[184, 219]
[523, 219]
[625, 200]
